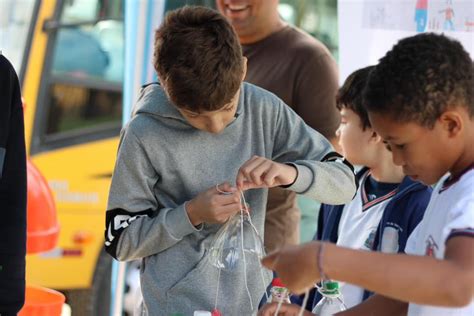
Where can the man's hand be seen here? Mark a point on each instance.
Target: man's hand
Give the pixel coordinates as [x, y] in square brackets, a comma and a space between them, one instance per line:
[285, 310]
[212, 206]
[260, 172]
[296, 266]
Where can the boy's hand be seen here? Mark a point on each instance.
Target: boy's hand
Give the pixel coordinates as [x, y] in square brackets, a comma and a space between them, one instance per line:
[212, 206]
[260, 172]
[296, 266]
[285, 310]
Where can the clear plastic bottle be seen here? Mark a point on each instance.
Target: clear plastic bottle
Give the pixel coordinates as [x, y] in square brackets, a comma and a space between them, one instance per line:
[236, 236]
[331, 303]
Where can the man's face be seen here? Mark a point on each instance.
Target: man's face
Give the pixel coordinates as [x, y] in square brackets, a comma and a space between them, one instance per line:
[248, 16]
[425, 154]
[213, 121]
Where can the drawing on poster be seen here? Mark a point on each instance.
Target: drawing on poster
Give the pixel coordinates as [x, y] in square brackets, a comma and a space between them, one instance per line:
[420, 15]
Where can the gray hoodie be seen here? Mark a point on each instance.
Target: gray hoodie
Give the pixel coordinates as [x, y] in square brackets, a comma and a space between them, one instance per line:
[163, 162]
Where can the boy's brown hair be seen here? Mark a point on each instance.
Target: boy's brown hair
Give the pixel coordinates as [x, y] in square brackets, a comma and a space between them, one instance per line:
[350, 95]
[198, 58]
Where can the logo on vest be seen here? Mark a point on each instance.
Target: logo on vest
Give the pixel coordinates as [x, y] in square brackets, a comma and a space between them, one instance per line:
[431, 247]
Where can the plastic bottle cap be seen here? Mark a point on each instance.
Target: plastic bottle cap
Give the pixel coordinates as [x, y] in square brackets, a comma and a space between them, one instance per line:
[277, 282]
[331, 285]
[330, 288]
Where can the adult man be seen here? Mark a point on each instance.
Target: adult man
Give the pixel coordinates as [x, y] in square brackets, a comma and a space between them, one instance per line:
[297, 68]
[12, 193]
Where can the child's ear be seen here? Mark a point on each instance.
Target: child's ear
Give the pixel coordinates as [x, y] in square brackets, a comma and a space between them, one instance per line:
[451, 122]
[375, 137]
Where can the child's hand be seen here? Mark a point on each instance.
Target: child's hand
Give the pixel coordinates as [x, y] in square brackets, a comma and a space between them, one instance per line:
[260, 172]
[212, 206]
[296, 266]
[285, 310]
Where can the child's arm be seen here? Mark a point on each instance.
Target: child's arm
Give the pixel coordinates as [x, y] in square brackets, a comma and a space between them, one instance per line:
[259, 172]
[285, 310]
[375, 305]
[322, 174]
[378, 305]
[137, 224]
[422, 280]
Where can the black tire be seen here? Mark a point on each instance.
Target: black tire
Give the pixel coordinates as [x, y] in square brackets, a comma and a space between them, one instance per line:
[94, 301]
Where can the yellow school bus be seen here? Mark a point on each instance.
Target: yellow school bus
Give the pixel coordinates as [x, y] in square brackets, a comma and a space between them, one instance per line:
[72, 89]
[72, 70]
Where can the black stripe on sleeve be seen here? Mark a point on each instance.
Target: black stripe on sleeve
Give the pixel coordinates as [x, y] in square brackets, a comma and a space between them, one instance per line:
[116, 221]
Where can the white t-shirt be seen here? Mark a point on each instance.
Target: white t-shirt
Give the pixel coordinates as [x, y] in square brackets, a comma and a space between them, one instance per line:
[450, 212]
[357, 228]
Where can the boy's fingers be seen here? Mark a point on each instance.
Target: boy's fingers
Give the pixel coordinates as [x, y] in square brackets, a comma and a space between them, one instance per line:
[270, 176]
[246, 168]
[268, 309]
[271, 260]
[226, 187]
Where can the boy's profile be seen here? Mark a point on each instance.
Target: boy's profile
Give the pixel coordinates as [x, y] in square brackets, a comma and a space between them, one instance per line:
[198, 133]
[420, 100]
[387, 206]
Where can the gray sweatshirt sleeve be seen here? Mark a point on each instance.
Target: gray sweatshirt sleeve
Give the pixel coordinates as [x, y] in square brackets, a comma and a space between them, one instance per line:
[322, 173]
[136, 225]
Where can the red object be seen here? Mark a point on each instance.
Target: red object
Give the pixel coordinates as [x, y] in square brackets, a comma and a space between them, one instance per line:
[216, 312]
[277, 282]
[40, 301]
[42, 223]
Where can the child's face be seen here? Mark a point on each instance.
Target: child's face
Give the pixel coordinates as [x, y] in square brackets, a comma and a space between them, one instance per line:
[425, 154]
[354, 141]
[214, 121]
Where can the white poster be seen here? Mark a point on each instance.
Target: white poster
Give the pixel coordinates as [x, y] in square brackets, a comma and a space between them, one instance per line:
[369, 28]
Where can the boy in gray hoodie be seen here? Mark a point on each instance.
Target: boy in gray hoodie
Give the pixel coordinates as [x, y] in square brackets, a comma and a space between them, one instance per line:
[198, 133]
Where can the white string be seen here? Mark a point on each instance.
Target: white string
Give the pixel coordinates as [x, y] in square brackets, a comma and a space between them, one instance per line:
[245, 208]
[305, 301]
[261, 242]
[217, 291]
[243, 255]
[280, 302]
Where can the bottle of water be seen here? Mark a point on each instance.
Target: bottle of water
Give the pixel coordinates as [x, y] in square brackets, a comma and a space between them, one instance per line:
[331, 303]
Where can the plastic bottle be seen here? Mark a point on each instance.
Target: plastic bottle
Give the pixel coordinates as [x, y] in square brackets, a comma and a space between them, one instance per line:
[279, 292]
[331, 303]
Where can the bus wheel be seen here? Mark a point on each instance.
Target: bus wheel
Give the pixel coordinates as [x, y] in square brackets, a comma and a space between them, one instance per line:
[96, 300]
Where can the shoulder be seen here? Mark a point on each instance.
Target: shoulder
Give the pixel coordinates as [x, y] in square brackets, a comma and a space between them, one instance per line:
[5, 64]
[7, 70]
[412, 196]
[305, 45]
[257, 97]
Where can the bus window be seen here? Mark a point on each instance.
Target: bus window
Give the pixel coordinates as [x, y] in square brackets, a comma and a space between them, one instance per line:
[83, 99]
[15, 19]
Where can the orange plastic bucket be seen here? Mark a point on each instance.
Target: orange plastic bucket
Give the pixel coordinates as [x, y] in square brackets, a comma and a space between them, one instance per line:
[40, 301]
